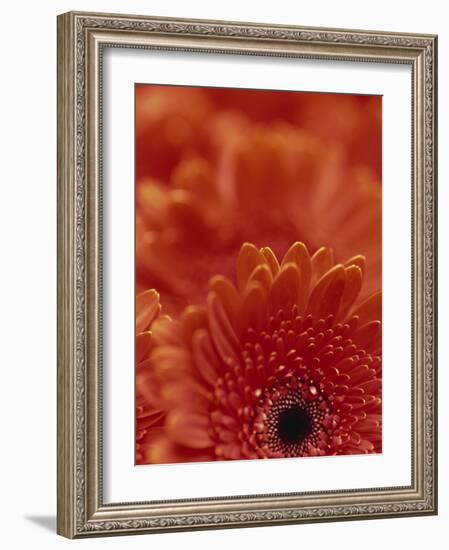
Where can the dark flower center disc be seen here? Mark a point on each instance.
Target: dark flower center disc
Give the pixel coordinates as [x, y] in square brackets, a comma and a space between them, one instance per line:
[294, 424]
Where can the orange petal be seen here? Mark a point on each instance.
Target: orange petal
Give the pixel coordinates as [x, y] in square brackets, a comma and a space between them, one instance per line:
[271, 259]
[299, 254]
[359, 261]
[352, 289]
[370, 309]
[195, 175]
[165, 451]
[185, 213]
[148, 419]
[143, 346]
[193, 318]
[147, 309]
[167, 331]
[262, 274]
[171, 361]
[285, 288]
[227, 293]
[326, 297]
[249, 258]
[206, 359]
[253, 308]
[189, 429]
[152, 200]
[221, 330]
[161, 451]
[147, 384]
[321, 262]
[186, 391]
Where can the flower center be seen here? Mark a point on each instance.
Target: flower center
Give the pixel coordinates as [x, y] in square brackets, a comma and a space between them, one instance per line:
[284, 391]
[293, 425]
[292, 422]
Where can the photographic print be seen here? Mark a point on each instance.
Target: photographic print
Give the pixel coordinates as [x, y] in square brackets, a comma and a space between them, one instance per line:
[258, 274]
[247, 253]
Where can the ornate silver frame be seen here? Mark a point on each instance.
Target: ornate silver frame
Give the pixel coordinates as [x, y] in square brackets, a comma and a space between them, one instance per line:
[81, 39]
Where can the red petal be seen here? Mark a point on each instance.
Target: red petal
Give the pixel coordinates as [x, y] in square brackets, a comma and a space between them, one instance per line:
[326, 296]
[205, 357]
[321, 262]
[221, 330]
[147, 309]
[227, 293]
[271, 260]
[253, 308]
[249, 258]
[285, 288]
[299, 255]
[189, 429]
[143, 346]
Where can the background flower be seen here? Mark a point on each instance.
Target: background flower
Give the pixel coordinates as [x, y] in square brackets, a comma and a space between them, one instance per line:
[251, 165]
[286, 364]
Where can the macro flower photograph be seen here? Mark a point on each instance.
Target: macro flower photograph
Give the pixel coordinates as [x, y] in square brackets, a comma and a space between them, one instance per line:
[258, 274]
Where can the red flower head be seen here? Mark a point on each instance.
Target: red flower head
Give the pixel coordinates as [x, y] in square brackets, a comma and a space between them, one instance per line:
[287, 364]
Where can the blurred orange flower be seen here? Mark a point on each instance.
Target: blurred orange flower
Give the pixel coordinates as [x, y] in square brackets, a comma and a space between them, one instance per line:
[353, 122]
[174, 121]
[169, 123]
[286, 364]
[269, 185]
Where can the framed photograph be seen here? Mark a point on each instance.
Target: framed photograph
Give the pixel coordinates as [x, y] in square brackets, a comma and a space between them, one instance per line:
[246, 274]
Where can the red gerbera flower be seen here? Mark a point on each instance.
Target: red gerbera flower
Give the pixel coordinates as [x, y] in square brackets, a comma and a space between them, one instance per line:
[288, 364]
